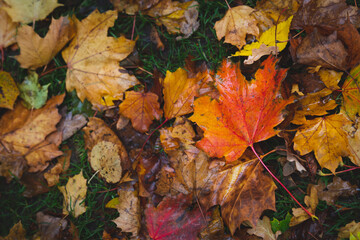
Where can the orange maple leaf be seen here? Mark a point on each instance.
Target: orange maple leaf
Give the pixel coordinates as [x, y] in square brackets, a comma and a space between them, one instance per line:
[245, 113]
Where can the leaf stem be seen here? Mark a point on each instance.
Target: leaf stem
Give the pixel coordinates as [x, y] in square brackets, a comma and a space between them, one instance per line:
[287, 190]
[51, 70]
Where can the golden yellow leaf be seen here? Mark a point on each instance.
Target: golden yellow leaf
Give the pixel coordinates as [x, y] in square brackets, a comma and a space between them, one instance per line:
[351, 93]
[93, 60]
[330, 78]
[74, 195]
[236, 24]
[8, 90]
[27, 11]
[113, 203]
[28, 132]
[278, 10]
[326, 137]
[7, 30]
[17, 232]
[129, 210]
[268, 39]
[350, 228]
[314, 104]
[36, 51]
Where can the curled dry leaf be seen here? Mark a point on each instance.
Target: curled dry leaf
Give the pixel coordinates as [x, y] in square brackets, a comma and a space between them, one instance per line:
[9, 90]
[173, 219]
[7, 30]
[239, 187]
[70, 124]
[129, 210]
[141, 108]
[74, 195]
[245, 113]
[27, 11]
[350, 36]
[36, 51]
[93, 61]
[236, 24]
[107, 154]
[26, 133]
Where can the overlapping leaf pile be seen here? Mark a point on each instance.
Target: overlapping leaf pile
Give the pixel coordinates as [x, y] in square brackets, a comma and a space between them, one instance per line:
[217, 117]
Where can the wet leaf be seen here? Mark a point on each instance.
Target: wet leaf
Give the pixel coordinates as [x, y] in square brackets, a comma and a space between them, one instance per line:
[245, 113]
[8, 90]
[27, 11]
[142, 108]
[74, 195]
[36, 51]
[93, 61]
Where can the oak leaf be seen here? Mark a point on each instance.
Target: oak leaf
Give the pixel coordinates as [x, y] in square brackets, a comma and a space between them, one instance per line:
[36, 51]
[179, 92]
[74, 195]
[8, 89]
[173, 219]
[129, 210]
[141, 108]
[107, 154]
[93, 60]
[7, 30]
[245, 112]
[239, 187]
[326, 137]
[27, 11]
[27, 132]
[236, 24]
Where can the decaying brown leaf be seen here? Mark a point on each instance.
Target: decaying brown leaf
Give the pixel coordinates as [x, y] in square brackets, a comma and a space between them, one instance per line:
[74, 195]
[50, 227]
[7, 30]
[236, 24]
[70, 124]
[8, 89]
[63, 163]
[36, 51]
[107, 154]
[11, 165]
[27, 132]
[27, 11]
[93, 61]
[129, 210]
[132, 6]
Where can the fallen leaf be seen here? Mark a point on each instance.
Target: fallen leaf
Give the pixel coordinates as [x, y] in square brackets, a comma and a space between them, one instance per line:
[332, 191]
[93, 61]
[326, 137]
[317, 49]
[8, 91]
[330, 78]
[215, 228]
[26, 11]
[257, 49]
[63, 163]
[351, 94]
[7, 30]
[107, 154]
[132, 6]
[35, 184]
[314, 104]
[11, 165]
[129, 210]
[155, 38]
[236, 24]
[33, 94]
[70, 124]
[50, 227]
[239, 187]
[141, 108]
[311, 200]
[278, 10]
[263, 229]
[36, 51]
[325, 13]
[350, 36]
[74, 195]
[26, 132]
[17, 232]
[352, 228]
[179, 92]
[177, 17]
[173, 219]
[245, 113]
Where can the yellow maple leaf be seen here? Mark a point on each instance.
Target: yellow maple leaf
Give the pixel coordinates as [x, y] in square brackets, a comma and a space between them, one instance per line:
[36, 51]
[93, 60]
[27, 11]
[272, 45]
